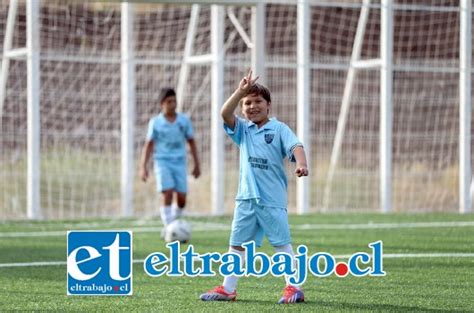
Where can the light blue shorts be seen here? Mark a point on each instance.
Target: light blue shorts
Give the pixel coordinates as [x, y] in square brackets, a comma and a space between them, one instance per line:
[171, 174]
[252, 221]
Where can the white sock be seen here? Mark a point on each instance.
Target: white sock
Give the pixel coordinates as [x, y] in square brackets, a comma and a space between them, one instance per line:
[230, 282]
[165, 212]
[288, 249]
[177, 212]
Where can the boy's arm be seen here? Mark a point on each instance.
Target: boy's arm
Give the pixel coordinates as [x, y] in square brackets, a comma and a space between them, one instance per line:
[146, 153]
[197, 169]
[227, 111]
[301, 164]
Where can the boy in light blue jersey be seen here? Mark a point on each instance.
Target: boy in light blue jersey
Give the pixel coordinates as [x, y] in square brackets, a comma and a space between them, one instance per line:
[261, 199]
[166, 137]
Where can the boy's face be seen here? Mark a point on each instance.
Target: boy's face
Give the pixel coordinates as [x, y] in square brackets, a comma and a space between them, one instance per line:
[168, 105]
[255, 108]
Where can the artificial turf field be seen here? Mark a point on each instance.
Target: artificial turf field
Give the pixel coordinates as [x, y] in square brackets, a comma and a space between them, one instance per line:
[428, 258]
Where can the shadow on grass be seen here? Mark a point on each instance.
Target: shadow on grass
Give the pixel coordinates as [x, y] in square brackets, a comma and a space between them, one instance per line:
[254, 301]
[315, 305]
[370, 307]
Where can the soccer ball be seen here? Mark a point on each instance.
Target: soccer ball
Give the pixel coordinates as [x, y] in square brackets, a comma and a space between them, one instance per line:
[178, 230]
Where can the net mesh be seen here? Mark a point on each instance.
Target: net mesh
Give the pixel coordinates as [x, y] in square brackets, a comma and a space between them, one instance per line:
[80, 103]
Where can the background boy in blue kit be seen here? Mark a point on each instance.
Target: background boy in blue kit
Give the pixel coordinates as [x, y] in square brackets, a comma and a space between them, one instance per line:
[166, 137]
[261, 201]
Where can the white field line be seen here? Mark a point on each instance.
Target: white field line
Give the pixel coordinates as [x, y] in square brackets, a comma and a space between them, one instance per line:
[58, 233]
[384, 225]
[143, 221]
[345, 256]
[206, 227]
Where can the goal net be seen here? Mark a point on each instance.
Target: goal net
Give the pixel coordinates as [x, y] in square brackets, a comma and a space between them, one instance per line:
[80, 102]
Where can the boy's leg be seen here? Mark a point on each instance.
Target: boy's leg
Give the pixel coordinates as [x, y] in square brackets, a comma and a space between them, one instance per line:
[164, 185]
[230, 282]
[181, 203]
[244, 229]
[244, 223]
[226, 292]
[180, 178]
[289, 250]
[292, 293]
[165, 210]
[274, 222]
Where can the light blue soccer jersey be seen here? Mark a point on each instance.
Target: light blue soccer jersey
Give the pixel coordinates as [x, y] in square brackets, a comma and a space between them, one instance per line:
[169, 138]
[262, 151]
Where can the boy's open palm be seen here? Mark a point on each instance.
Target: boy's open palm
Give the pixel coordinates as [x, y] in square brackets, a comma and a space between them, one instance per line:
[247, 82]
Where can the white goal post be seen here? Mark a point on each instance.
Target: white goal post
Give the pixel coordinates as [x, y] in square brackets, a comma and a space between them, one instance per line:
[379, 92]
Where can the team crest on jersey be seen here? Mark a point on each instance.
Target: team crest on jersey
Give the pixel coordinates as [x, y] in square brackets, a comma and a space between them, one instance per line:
[269, 138]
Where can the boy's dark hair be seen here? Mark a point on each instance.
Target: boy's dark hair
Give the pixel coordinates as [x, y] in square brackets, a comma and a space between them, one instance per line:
[260, 90]
[165, 93]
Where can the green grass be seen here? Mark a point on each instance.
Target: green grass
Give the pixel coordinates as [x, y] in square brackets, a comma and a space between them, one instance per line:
[411, 284]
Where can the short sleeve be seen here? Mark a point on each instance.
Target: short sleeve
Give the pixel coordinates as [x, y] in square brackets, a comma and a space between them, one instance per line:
[150, 134]
[189, 133]
[236, 133]
[289, 142]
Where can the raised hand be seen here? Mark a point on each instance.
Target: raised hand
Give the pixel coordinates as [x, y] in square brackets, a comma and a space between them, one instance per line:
[247, 82]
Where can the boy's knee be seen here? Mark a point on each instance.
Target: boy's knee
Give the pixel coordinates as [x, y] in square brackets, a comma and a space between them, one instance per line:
[167, 196]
